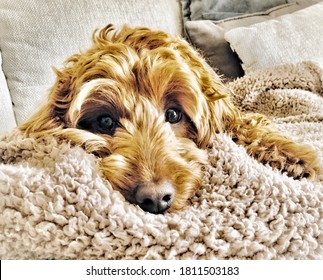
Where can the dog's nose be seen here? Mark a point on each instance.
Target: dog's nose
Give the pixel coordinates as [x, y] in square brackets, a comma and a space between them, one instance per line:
[155, 198]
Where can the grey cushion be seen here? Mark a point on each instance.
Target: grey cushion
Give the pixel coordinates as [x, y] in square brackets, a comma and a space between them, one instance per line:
[221, 9]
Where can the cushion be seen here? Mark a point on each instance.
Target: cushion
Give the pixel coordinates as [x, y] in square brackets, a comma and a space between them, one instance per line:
[287, 39]
[38, 34]
[7, 117]
[208, 36]
[220, 9]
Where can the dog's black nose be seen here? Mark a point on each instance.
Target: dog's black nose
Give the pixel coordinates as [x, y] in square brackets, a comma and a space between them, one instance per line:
[155, 198]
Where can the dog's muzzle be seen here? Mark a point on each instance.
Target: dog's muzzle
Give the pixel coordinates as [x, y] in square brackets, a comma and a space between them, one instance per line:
[155, 198]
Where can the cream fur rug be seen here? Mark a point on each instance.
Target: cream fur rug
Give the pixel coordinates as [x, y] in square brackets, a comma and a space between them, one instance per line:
[54, 204]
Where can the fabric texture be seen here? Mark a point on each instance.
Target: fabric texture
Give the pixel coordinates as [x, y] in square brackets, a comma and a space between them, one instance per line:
[288, 39]
[7, 117]
[37, 35]
[54, 204]
[221, 9]
[208, 36]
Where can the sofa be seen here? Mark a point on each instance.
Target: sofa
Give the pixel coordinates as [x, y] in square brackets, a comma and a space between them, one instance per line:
[38, 35]
[55, 205]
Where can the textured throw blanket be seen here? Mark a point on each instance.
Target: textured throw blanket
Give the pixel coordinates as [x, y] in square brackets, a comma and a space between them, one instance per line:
[55, 205]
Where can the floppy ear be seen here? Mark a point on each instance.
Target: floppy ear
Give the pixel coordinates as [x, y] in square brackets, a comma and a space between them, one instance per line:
[216, 111]
[50, 117]
[220, 114]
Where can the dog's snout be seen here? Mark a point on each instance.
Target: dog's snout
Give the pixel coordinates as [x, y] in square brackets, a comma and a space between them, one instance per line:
[155, 198]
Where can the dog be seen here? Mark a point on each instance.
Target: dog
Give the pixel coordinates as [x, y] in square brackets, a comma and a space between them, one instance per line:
[147, 104]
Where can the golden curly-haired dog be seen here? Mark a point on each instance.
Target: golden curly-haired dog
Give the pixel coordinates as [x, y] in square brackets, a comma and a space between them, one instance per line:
[146, 104]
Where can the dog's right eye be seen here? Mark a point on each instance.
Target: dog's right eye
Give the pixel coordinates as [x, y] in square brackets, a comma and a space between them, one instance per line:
[107, 124]
[173, 115]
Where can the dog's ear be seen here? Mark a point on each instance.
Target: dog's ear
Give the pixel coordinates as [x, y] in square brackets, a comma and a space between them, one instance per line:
[214, 110]
[220, 114]
[51, 116]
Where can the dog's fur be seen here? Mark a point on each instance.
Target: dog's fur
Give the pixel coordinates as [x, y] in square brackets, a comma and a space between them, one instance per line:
[147, 104]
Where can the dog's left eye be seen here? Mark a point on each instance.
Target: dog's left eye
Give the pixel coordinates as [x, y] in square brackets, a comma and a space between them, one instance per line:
[173, 115]
[107, 124]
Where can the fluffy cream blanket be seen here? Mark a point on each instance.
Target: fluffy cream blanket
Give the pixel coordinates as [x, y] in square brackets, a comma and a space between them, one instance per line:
[55, 205]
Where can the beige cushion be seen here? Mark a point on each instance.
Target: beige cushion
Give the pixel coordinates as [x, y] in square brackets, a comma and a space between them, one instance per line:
[7, 117]
[38, 34]
[287, 39]
[208, 36]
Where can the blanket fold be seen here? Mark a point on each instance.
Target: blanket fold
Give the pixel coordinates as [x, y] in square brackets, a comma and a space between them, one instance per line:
[55, 205]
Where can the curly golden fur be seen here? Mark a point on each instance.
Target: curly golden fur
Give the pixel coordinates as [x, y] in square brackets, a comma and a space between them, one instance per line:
[146, 104]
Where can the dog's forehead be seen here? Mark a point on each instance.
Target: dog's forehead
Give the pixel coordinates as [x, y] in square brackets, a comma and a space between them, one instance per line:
[124, 78]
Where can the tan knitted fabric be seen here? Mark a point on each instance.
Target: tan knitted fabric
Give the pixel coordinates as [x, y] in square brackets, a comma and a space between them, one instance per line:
[54, 204]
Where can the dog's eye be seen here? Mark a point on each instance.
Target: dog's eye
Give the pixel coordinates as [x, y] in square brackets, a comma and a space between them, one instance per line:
[173, 115]
[107, 124]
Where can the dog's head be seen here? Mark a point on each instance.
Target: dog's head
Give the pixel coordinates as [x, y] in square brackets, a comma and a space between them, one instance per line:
[146, 104]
